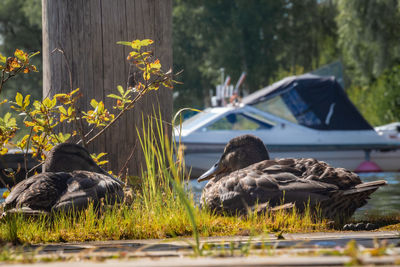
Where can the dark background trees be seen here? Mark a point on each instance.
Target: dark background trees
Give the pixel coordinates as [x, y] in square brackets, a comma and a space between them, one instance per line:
[267, 39]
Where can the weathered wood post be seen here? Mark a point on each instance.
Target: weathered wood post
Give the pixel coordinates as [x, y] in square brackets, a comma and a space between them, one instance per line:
[87, 31]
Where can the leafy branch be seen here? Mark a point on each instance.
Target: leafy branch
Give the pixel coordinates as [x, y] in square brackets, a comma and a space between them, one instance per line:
[45, 117]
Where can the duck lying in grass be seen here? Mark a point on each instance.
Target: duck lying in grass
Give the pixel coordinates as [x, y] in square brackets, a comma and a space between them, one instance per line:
[71, 181]
[245, 178]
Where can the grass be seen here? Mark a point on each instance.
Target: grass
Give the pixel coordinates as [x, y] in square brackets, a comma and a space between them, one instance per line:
[161, 208]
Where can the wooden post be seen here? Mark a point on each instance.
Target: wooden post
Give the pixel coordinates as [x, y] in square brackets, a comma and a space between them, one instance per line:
[87, 31]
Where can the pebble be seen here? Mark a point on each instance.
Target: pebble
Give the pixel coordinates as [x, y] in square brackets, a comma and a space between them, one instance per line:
[359, 227]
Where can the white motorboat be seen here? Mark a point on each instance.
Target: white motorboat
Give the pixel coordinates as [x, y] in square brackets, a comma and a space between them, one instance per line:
[300, 116]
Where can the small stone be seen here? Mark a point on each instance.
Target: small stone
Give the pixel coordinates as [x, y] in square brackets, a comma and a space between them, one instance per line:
[370, 226]
[348, 227]
[359, 226]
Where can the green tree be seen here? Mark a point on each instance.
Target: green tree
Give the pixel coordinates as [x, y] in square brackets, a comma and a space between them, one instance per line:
[369, 33]
[379, 102]
[263, 38]
[20, 27]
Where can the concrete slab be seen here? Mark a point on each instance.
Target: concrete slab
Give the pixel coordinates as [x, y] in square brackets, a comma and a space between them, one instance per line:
[230, 262]
[313, 249]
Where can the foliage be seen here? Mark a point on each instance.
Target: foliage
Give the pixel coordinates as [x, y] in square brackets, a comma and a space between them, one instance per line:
[368, 37]
[262, 38]
[379, 102]
[44, 117]
[20, 26]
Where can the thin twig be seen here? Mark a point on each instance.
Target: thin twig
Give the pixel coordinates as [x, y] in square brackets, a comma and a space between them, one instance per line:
[141, 93]
[2, 81]
[79, 125]
[26, 153]
[36, 166]
[58, 49]
[127, 160]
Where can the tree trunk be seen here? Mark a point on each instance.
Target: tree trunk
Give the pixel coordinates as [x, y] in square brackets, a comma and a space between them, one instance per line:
[87, 31]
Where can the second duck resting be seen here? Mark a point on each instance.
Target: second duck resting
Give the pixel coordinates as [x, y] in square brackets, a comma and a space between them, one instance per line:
[245, 178]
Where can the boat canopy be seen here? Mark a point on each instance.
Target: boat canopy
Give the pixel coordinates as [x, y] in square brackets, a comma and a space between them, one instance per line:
[309, 100]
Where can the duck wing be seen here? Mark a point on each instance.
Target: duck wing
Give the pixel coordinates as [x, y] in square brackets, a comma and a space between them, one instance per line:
[39, 192]
[254, 185]
[85, 187]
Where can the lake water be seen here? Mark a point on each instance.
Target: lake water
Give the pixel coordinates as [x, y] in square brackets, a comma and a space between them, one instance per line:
[385, 201]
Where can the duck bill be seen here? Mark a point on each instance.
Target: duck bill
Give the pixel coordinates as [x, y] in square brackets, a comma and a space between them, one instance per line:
[208, 174]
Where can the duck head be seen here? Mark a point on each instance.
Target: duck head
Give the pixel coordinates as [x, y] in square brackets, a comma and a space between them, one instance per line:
[240, 152]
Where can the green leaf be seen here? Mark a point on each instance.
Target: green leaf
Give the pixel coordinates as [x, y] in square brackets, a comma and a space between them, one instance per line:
[34, 54]
[114, 96]
[120, 89]
[124, 43]
[18, 99]
[7, 117]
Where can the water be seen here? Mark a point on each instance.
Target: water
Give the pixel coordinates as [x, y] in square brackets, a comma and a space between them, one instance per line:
[385, 201]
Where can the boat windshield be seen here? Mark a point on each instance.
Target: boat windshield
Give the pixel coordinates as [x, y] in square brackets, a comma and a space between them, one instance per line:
[292, 107]
[277, 107]
[196, 119]
[238, 122]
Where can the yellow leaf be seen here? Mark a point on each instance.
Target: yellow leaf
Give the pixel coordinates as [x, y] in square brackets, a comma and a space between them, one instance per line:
[18, 99]
[155, 65]
[63, 117]
[12, 63]
[146, 42]
[47, 102]
[21, 55]
[146, 75]
[73, 92]
[3, 59]
[62, 110]
[100, 107]
[5, 194]
[3, 151]
[94, 103]
[29, 123]
[53, 102]
[27, 101]
[70, 111]
[33, 68]
[136, 44]
[37, 128]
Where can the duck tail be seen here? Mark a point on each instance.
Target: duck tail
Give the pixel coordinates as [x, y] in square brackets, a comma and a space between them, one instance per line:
[342, 205]
[369, 187]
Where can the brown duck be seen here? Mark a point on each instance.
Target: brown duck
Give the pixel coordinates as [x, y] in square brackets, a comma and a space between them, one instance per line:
[245, 178]
[71, 181]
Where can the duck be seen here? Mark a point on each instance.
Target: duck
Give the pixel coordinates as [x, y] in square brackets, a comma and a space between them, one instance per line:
[245, 178]
[70, 181]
